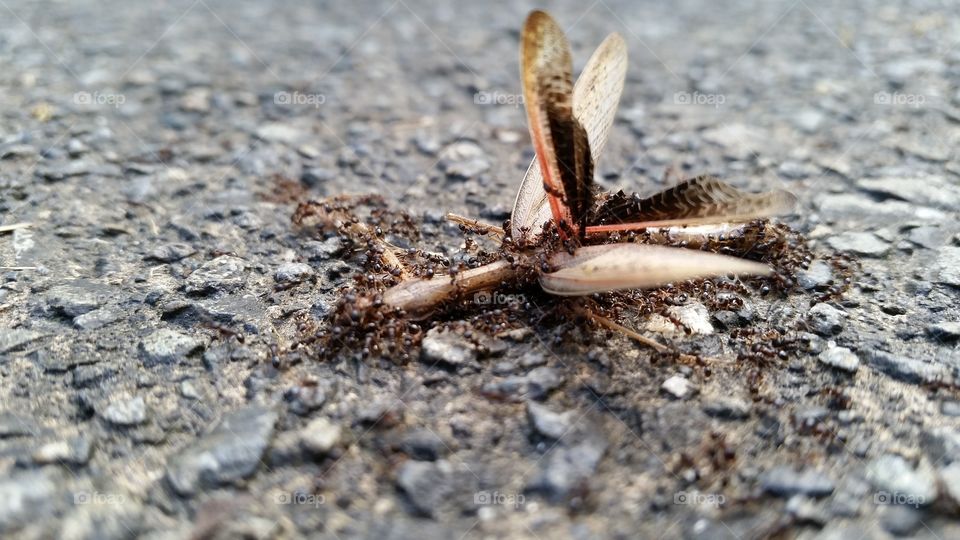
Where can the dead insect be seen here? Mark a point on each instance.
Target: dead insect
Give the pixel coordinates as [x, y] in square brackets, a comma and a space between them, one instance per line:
[566, 235]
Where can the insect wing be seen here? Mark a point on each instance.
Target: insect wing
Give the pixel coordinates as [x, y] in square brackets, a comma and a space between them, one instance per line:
[545, 73]
[595, 99]
[613, 267]
[696, 201]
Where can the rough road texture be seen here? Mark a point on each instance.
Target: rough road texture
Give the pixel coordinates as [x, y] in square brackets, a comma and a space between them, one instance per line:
[158, 150]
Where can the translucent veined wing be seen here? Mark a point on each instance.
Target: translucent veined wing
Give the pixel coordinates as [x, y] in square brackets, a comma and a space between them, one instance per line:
[613, 267]
[595, 99]
[700, 200]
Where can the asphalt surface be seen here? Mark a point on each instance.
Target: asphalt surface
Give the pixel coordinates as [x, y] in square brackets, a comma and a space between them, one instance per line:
[158, 151]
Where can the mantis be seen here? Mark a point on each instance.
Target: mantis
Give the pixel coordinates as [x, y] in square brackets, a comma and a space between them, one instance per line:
[563, 234]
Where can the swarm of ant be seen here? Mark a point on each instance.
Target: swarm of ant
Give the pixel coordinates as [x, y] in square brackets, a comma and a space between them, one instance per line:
[362, 324]
[568, 251]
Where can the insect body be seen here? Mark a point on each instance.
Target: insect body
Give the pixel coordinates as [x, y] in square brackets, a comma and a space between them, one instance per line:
[557, 232]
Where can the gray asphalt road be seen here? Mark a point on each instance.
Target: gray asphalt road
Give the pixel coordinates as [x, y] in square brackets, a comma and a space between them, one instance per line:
[158, 152]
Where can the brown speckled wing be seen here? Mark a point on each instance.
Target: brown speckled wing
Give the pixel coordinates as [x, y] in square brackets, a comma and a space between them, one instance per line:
[703, 199]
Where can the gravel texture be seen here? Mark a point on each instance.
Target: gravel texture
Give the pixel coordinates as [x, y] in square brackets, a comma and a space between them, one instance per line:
[158, 150]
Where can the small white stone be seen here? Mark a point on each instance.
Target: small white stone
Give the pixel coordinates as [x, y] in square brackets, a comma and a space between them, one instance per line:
[320, 436]
[677, 386]
[950, 480]
[840, 358]
[694, 316]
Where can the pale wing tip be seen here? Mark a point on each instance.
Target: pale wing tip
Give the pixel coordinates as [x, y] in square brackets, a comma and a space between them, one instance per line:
[788, 201]
[615, 38]
[539, 17]
[750, 268]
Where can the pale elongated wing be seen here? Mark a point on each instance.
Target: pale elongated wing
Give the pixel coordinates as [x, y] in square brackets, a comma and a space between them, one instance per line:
[613, 267]
[595, 99]
[696, 201]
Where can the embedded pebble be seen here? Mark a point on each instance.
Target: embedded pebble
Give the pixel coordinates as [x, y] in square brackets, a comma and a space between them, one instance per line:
[63, 171]
[114, 520]
[324, 250]
[97, 318]
[423, 444]
[930, 237]
[320, 436]
[818, 275]
[437, 488]
[825, 319]
[860, 243]
[463, 160]
[726, 407]
[547, 422]
[929, 190]
[950, 480]
[71, 451]
[694, 317]
[223, 273]
[739, 141]
[808, 120]
[786, 481]
[128, 412]
[290, 273]
[304, 398]
[17, 425]
[535, 385]
[900, 520]
[14, 339]
[793, 170]
[892, 474]
[74, 300]
[315, 177]
[567, 468]
[942, 444]
[26, 497]
[839, 357]
[677, 386]
[230, 452]
[279, 133]
[945, 331]
[448, 347]
[907, 369]
[8, 151]
[948, 265]
[167, 345]
[171, 252]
